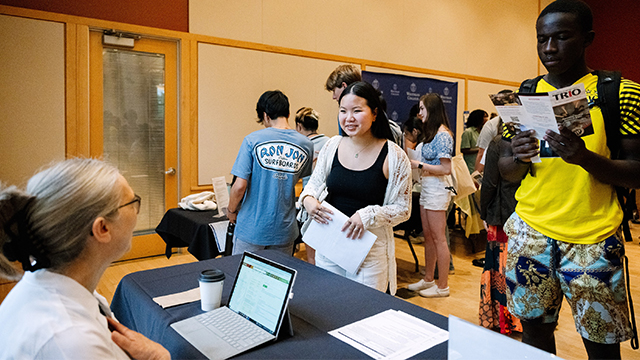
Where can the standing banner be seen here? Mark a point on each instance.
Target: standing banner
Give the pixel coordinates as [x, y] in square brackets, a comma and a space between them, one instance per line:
[401, 92]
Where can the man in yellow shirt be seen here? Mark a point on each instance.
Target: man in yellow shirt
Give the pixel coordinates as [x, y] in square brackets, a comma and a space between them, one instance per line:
[563, 236]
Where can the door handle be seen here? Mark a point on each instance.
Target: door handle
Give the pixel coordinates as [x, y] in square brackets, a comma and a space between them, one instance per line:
[170, 171]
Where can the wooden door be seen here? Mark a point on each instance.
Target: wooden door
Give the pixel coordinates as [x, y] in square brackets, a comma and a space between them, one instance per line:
[133, 125]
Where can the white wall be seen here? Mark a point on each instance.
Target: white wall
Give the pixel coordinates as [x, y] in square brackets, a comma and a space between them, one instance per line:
[488, 38]
[230, 81]
[32, 90]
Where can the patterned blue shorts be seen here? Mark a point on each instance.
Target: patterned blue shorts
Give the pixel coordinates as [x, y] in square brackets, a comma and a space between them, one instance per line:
[541, 270]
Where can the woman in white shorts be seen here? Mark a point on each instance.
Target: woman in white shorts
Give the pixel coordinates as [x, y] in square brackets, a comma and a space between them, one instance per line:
[434, 198]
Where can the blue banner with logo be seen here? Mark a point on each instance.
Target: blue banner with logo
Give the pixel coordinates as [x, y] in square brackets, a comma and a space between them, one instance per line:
[401, 92]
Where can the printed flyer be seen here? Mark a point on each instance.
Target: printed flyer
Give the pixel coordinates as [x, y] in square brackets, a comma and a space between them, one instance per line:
[567, 107]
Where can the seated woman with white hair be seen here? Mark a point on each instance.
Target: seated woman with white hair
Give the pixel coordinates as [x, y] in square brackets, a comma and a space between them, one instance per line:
[73, 220]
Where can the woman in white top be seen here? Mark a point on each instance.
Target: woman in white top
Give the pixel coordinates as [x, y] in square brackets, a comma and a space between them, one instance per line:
[307, 125]
[367, 177]
[412, 132]
[435, 197]
[72, 221]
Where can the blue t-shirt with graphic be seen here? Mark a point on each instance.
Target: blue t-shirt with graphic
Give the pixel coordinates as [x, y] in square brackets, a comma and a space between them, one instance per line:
[440, 147]
[272, 161]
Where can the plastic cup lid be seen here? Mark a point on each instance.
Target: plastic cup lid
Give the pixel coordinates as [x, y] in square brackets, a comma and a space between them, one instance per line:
[211, 275]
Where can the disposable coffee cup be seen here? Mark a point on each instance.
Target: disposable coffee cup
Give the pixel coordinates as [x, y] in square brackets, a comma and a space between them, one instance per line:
[211, 282]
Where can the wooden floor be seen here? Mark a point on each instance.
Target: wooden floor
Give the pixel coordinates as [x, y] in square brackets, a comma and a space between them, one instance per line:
[464, 285]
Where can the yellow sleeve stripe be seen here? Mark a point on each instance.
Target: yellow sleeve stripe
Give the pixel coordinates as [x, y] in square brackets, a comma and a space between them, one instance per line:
[629, 108]
[506, 134]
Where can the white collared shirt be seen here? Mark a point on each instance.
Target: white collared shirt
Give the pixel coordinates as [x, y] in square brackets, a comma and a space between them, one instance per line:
[51, 316]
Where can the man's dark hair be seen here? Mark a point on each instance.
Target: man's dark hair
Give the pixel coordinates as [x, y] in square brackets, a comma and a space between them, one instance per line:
[476, 118]
[414, 111]
[273, 103]
[581, 10]
[380, 128]
[414, 123]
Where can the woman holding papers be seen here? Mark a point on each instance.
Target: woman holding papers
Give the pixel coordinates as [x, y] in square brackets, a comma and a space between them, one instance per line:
[434, 199]
[368, 178]
[72, 221]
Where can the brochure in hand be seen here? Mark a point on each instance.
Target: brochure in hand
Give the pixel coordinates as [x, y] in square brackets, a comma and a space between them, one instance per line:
[567, 107]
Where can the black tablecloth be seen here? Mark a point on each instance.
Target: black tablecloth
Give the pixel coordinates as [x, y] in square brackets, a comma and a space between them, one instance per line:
[190, 229]
[322, 302]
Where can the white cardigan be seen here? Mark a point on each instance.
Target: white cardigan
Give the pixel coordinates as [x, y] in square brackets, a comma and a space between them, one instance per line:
[396, 207]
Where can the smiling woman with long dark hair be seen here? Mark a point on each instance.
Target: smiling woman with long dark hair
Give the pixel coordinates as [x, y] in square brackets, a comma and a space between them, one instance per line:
[435, 165]
[368, 178]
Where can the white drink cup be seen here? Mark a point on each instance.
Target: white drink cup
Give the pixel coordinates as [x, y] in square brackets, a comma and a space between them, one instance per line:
[211, 282]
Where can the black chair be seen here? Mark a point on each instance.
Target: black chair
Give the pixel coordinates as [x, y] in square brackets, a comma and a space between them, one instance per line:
[413, 225]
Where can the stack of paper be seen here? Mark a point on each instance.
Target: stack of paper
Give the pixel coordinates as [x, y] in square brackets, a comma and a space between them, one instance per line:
[391, 334]
[330, 241]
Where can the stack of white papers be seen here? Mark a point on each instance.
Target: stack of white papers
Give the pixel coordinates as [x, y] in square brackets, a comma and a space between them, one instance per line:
[391, 334]
[220, 233]
[330, 241]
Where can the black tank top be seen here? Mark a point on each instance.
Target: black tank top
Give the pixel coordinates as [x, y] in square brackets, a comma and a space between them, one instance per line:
[352, 190]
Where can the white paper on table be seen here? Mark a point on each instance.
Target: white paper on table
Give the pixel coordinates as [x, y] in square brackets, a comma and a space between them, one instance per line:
[220, 234]
[178, 298]
[391, 334]
[221, 191]
[332, 242]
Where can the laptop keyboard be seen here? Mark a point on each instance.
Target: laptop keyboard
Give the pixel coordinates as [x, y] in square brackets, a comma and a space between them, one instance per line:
[232, 328]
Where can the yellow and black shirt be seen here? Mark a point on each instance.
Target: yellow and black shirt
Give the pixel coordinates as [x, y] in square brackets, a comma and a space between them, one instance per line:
[563, 201]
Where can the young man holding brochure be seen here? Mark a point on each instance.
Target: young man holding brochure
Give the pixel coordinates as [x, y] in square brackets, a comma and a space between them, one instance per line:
[563, 235]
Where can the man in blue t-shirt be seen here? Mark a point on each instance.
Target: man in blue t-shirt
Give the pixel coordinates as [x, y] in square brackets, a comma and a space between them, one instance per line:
[269, 164]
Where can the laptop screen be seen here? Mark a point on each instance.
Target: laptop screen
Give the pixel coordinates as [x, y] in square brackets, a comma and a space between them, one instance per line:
[261, 291]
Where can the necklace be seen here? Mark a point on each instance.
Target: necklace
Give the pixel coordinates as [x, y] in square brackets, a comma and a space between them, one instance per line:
[361, 150]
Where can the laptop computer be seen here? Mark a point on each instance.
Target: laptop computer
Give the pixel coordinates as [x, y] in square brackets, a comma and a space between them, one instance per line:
[254, 315]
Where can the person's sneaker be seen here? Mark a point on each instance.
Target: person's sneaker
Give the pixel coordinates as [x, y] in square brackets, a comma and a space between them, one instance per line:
[434, 291]
[421, 285]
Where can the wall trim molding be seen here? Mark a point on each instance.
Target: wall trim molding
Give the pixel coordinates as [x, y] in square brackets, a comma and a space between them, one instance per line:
[77, 86]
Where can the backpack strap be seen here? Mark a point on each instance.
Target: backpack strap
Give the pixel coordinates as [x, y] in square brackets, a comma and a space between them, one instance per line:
[608, 101]
[529, 86]
[608, 88]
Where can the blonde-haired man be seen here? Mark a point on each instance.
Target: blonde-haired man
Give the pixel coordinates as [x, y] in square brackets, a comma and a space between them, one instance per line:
[340, 78]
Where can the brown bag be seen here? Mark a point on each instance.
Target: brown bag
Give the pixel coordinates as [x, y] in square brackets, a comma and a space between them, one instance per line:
[460, 178]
